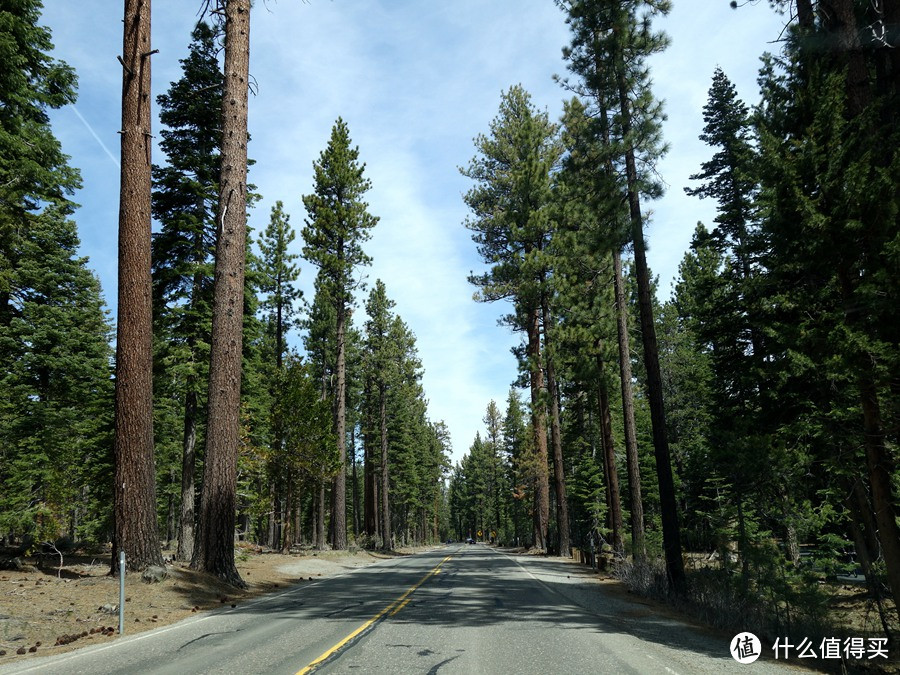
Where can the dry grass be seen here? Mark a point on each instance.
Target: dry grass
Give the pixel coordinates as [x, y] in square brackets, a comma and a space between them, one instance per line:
[815, 611]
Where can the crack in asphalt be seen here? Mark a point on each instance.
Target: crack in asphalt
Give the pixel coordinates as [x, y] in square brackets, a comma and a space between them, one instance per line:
[206, 635]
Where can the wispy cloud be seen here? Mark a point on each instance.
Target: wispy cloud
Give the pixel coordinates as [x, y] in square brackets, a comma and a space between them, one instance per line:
[115, 160]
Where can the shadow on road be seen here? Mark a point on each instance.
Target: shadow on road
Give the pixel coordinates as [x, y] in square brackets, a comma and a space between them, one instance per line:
[481, 588]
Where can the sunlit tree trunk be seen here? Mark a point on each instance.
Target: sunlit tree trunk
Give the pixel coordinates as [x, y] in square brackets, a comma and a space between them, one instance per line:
[385, 477]
[668, 505]
[214, 552]
[539, 427]
[559, 475]
[609, 458]
[638, 547]
[136, 530]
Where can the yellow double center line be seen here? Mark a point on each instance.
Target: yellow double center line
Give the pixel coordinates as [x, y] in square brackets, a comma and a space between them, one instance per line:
[390, 610]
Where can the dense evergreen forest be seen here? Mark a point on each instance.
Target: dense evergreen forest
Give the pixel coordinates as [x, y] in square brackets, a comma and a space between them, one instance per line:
[331, 418]
[734, 445]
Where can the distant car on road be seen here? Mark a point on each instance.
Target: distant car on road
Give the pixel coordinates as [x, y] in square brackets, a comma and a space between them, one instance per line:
[470, 540]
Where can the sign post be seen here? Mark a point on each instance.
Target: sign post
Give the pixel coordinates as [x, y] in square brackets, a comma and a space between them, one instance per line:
[121, 591]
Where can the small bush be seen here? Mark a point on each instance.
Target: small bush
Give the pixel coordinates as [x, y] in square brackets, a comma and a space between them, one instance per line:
[645, 577]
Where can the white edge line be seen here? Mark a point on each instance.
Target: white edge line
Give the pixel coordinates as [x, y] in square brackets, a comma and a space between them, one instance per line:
[555, 592]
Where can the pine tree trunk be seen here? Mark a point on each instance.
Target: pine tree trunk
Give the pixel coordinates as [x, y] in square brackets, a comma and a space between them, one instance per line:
[214, 552]
[136, 530]
[879, 469]
[841, 17]
[860, 515]
[385, 476]
[632, 461]
[170, 511]
[339, 514]
[609, 459]
[320, 517]
[891, 19]
[805, 14]
[538, 423]
[559, 475]
[270, 515]
[377, 508]
[355, 486]
[369, 486]
[638, 547]
[668, 505]
[287, 534]
[188, 465]
[878, 457]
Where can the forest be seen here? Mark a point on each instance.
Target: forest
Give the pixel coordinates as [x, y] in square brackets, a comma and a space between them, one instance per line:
[733, 446]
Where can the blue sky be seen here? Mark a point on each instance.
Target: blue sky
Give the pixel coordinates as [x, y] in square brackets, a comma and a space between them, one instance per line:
[416, 81]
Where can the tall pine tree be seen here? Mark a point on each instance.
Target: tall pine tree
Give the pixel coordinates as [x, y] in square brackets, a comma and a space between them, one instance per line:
[135, 476]
[611, 41]
[510, 224]
[184, 201]
[338, 225]
[214, 550]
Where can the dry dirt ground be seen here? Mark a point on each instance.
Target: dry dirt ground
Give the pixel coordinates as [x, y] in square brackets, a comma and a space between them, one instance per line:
[56, 609]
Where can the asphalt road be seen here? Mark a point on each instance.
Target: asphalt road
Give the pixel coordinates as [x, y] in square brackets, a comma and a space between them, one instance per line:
[457, 609]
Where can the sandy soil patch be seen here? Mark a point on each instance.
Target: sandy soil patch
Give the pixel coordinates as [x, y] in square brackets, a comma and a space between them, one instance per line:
[53, 610]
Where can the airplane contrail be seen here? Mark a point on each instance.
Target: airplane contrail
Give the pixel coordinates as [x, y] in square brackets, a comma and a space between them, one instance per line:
[96, 137]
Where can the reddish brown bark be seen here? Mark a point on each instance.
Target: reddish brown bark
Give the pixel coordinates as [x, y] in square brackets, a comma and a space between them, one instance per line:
[609, 459]
[559, 475]
[188, 464]
[136, 530]
[539, 428]
[385, 477]
[339, 512]
[670, 526]
[214, 552]
[638, 547]
[369, 508]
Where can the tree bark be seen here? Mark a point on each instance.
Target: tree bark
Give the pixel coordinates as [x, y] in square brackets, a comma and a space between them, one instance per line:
[638, 547]
[891, 19]
[559, 474]
[270, 516]
[170, 510]
[320, 517]
[805, 15]
[188, 466]
[136, 529]
[385, 477]
[879, 470]
[609, 458]
[355, 487]
[214, 552]
[668, 506]
[860, 517]
[287, 534]
[339, 514]
[842, 21]
[369, 485]
[539, 427]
